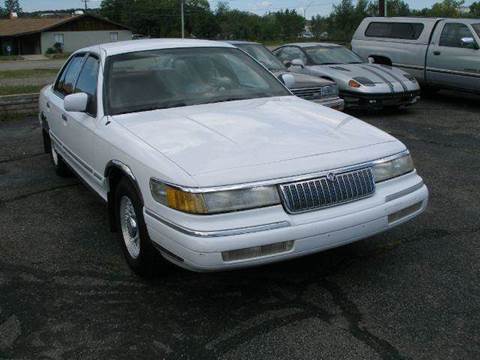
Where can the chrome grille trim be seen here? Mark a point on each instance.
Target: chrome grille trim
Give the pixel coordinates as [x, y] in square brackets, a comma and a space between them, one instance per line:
[319, 193]
[308, 93]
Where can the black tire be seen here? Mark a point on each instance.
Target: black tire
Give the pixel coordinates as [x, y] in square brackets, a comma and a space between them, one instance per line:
[147, 260]
[61, 169]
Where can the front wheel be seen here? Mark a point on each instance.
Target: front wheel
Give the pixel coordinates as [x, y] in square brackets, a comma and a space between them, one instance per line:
[137, 247]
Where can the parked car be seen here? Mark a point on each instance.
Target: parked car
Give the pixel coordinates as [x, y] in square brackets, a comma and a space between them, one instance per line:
[361, 85]
[440, 53]
[321, 91]
[204, 156]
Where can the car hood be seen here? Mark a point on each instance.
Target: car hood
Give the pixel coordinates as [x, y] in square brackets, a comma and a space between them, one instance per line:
[305, 81]
[380, 74]
[250, 140]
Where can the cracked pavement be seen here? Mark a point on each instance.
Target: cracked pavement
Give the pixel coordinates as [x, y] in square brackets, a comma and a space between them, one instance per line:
[411, 293]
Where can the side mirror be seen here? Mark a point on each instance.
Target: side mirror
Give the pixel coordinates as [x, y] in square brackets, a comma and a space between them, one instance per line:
[469, 42]
[371, 60]
[298, 62]
[76, 102]
[288, 80]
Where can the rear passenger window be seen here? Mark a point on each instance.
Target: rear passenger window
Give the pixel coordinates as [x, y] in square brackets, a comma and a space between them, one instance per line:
[452, 35]
[87, 83]
[395, 30]
[66, 82]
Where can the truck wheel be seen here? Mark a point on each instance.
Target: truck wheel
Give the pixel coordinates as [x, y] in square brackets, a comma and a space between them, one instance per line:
[61, 169]
[137, 247]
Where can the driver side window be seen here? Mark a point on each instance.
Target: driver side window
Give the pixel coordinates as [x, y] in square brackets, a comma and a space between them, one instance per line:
[66, 81]
[452, 35]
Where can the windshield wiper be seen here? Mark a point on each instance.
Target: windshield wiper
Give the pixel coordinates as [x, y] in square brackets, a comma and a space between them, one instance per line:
[152, 107]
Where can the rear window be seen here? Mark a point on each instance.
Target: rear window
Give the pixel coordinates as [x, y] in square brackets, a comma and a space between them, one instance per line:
[407, 31]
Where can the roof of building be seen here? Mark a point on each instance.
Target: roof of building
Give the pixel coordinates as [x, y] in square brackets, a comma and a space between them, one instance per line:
[123, 47]
[25, 26]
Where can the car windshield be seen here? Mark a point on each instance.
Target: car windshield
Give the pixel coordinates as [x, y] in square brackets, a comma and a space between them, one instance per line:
[477, 28]
[263, 55]
[322, 55]
[159, 79]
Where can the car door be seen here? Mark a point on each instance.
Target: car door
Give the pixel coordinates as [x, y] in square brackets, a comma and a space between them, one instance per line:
[56, 115]
[82, 125]
[452, 63]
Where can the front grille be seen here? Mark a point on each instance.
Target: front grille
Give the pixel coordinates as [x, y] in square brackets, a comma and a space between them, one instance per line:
[330, 190]
[309, 93]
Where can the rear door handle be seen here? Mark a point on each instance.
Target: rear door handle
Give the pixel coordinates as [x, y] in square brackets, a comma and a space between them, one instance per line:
[64, 117]
[48, 105]
[436, 53]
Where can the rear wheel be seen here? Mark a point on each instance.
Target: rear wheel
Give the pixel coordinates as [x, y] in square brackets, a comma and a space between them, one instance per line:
[137, 247]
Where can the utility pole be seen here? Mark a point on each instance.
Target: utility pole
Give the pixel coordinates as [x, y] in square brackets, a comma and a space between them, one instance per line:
[382, 8]
[183, 18]
[85, 2]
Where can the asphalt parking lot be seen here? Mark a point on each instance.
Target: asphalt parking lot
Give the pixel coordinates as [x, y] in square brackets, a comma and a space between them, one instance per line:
[414, 292]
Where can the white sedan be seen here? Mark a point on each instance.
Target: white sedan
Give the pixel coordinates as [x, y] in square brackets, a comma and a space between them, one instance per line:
[205, 157]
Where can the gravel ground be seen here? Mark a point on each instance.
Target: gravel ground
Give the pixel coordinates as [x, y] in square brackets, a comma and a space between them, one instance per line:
[66, 292]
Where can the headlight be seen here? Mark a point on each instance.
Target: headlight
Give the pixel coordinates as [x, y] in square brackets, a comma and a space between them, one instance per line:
[329, 90]
[213, 202]
[354, 84]
[393, 168]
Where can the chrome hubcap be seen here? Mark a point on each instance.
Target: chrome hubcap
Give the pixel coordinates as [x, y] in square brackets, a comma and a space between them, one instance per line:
[129, 225]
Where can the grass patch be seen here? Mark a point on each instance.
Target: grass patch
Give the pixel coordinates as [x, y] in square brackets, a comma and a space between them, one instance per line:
[26, 73]
[10, 58]
[21, 89]
[58, 56]
[16, 116]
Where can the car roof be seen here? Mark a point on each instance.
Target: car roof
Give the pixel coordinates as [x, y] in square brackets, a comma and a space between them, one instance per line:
[122, 47]
[242, 42]
[312, 44]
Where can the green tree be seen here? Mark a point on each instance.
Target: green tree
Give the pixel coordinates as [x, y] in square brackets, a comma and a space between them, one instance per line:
[446, 8]
[394, 8]
[475, 9]
[13, 6]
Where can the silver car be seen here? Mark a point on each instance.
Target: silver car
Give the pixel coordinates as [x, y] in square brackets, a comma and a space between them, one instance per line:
[312, 88]
[361, 84]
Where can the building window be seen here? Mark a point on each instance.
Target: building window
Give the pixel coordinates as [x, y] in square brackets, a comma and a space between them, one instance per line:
[59, 38]
[114, 36]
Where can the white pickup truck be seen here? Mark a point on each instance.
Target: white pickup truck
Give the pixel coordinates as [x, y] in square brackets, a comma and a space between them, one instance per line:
[440, 53]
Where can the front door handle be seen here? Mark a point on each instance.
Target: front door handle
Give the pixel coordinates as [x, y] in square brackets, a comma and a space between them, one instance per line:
[436, 52]
[48, 105]
[64, 117]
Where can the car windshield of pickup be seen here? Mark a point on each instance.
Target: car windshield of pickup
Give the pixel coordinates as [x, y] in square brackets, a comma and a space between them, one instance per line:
[263, 55]
[160, 79]
[321, 55]
[477, 28]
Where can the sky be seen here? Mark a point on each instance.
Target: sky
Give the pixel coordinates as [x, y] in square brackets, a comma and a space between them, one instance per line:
[311, 7]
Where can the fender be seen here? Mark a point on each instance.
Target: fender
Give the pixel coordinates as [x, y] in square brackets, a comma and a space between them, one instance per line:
[114, 170]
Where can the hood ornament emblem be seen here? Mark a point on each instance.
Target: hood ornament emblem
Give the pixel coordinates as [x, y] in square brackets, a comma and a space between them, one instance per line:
[331, 177]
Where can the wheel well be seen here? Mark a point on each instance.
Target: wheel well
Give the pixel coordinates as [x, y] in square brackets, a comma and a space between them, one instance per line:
[47, 142]
[383, 60]
[114, 174]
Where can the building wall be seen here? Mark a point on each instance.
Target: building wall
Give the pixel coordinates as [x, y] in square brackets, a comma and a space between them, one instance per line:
[74, 40]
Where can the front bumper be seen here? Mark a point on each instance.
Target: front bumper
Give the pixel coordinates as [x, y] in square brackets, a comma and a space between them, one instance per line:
[357, 100]
[395, 201]
[335, 103]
